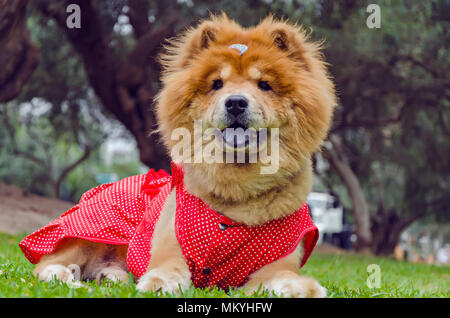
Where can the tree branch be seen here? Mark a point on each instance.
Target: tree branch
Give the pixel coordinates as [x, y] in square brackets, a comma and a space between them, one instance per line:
[92, 43]
[421, 210]
[369, 123]
[337, 160]
[70, 167]
[12, 135]
[125, 89]
[138, 14]
[443, 124]
[425, 66]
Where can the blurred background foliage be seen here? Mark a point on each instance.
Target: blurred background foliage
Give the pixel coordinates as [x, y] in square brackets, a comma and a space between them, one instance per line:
[387, 156]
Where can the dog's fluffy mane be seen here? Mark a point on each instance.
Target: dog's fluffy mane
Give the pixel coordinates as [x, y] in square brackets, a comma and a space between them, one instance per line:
[219, 32]
[305, 106]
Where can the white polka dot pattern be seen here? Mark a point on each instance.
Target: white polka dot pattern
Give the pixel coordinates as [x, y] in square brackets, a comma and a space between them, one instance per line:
[224, 253]
[218, 251]
[109, 213]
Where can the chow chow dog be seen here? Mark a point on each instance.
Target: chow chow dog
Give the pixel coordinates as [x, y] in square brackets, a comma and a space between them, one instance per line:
[225, 76]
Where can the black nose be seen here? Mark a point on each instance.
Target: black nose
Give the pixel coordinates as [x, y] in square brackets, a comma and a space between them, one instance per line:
[236, 104]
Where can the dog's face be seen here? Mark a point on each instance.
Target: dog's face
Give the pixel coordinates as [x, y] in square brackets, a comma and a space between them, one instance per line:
[268, 76]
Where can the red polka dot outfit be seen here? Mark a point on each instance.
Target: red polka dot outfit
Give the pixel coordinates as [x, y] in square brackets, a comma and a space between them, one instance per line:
[218, 251]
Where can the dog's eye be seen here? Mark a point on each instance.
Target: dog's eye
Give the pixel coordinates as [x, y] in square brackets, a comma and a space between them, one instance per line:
[217, 84]
[264, 86]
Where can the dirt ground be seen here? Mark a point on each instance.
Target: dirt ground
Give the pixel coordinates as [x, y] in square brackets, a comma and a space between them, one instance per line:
[23, 212]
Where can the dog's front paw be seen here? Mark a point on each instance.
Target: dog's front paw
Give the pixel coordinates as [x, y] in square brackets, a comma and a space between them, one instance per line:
[165, 281]
[301, 287]
[58, 272]
[289, 284]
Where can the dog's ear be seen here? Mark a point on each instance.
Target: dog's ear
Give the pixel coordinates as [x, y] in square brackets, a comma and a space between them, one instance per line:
[197, 40]
[208, 32]
[289, 39]
[280, 38]
[181, 50]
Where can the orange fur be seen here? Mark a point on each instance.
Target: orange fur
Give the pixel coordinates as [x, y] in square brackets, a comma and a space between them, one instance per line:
[300, 105]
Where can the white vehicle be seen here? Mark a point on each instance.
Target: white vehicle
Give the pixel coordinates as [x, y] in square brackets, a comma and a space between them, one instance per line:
[327, 214]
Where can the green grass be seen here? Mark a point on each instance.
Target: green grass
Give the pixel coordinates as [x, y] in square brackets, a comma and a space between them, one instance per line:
[342, 275]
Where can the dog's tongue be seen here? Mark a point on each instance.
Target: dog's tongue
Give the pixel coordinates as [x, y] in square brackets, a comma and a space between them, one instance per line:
[235, 137]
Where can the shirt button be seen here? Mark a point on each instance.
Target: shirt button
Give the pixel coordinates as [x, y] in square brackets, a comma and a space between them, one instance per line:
[223, 226]
[207, 271]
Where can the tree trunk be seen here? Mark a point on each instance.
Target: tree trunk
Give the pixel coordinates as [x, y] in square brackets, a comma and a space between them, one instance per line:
[388, 226]
[360, 210]
[380, 233]
[386, 229]
[124, 87]
[18, 56]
